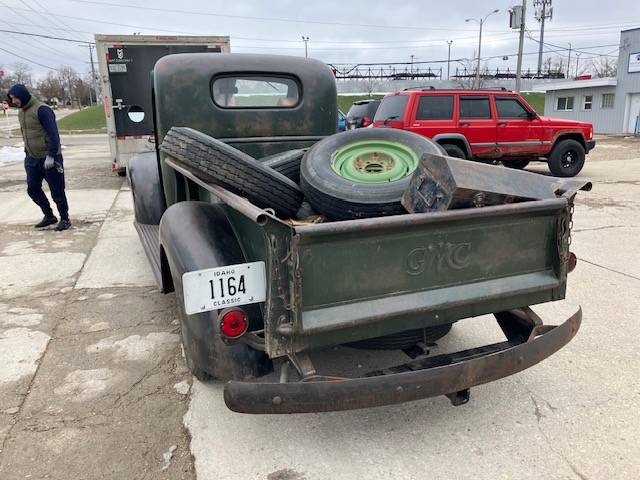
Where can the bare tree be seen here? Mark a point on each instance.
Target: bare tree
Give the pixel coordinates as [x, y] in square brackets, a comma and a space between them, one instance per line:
[605, 66]
[466, 77]
[23, 74]
[51, 87]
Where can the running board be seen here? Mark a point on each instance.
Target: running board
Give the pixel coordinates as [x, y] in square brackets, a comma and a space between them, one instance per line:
[149, 237]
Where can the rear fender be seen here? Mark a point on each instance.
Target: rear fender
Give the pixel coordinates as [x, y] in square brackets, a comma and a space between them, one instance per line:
[195, 236]
[148, 198]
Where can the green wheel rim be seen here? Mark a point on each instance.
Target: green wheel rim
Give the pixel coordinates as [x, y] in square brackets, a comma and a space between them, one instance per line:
[374, 161]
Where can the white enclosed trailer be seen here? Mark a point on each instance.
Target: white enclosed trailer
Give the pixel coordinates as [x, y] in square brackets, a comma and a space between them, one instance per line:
[125, 64]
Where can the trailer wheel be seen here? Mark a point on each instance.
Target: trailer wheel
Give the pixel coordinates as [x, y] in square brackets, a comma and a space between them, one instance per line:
[287, 163]
[362, 173]
[233, 170]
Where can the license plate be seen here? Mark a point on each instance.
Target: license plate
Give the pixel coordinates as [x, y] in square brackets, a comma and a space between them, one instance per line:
[223, 287]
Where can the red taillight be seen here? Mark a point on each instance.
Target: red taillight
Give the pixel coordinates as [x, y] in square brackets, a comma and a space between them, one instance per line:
[366, 121]
[234, 323]
[571, 262]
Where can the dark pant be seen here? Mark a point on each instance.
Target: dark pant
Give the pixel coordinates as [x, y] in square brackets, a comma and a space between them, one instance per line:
[35, 174]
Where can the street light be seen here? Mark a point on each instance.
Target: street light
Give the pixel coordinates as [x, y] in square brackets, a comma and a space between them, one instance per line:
[305, 40]
[480, 22]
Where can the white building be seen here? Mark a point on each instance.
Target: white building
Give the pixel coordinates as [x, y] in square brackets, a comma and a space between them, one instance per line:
[612, 105]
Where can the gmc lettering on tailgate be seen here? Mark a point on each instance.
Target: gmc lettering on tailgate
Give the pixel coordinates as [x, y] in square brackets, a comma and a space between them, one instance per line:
[439, 257]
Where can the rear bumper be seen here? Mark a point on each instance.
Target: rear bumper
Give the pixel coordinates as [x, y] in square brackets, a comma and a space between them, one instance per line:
[449, 375]
[591, 144]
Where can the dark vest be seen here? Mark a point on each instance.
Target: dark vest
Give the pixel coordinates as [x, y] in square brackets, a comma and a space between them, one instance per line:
[35, 137]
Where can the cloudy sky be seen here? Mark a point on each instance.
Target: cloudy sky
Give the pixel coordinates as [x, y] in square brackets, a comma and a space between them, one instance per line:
[339, 31]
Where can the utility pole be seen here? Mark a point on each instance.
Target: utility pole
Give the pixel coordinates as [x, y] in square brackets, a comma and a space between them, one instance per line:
[569, 61]
[449, 42]
[93, 77]
[411, 67]
[520, 45]
[480, 22]
[544, 10]
[305, 40]
[577, 61]
[93, 74]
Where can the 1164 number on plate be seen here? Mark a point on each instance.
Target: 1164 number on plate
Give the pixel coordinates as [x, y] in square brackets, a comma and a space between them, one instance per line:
[230, 286]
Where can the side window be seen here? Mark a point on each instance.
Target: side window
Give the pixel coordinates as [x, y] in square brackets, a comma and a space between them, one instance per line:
[510, 108]
[475, 107]
[607, 100]
[564, 103]
[435, 107]
[255, 91]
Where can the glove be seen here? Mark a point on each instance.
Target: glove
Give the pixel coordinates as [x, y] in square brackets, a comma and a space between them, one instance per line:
[49, 162]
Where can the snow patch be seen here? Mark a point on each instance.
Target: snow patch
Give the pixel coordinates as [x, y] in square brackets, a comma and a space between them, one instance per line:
[9, 155]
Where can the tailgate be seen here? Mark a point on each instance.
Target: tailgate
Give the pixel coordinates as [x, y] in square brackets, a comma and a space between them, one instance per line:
[365, 278]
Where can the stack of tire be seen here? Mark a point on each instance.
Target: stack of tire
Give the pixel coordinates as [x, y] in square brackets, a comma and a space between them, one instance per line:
[356, 174]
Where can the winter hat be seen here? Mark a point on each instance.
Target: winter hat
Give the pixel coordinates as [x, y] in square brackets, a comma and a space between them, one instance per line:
[21, 92]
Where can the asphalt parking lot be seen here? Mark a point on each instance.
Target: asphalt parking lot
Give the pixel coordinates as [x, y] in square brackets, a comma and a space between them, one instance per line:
[93, 384]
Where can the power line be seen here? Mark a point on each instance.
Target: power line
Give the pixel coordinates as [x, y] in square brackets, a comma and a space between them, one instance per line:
[54, 19]
[270, 19]
[28, 60]
[47, 36]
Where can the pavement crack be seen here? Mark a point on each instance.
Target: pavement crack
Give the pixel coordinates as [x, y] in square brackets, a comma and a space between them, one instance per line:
[539, 416]
[604, 227]
[609, 269]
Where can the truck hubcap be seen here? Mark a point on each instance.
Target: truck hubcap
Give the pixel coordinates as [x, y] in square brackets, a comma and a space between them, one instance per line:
[374, 161]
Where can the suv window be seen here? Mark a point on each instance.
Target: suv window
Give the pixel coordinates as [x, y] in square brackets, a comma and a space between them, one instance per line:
[510, 108]
[475, 107]
[391, 108]
[358, 110]
[435, 107]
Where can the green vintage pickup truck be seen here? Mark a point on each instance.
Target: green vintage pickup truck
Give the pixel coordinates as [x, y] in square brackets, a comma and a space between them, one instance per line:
[260, 291]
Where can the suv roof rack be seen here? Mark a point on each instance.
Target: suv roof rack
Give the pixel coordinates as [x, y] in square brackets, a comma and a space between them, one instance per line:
[431, 87]
[423, 88]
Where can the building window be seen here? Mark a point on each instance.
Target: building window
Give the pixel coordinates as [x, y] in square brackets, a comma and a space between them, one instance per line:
[587, 102]
[564, 103]
[607, 100]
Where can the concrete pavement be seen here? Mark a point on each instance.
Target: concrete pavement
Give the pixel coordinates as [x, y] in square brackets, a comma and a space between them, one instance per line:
[93, 384]
[570, 417]
[89, 349]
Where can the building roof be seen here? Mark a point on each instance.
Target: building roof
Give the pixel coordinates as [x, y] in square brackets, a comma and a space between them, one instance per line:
[573, 84]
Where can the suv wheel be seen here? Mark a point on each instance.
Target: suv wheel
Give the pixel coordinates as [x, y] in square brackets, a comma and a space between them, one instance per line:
[454, 151]
[566, 158]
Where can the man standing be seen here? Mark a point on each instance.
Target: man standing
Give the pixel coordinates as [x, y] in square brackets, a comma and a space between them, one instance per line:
[44, 157]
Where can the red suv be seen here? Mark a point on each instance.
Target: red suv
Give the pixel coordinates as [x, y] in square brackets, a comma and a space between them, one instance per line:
[489, 125]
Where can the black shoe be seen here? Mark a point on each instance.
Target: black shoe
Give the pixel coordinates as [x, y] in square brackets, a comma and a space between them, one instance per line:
[45, 222]
[63, 225]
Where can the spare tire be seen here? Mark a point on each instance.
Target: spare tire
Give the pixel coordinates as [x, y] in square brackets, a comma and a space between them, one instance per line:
[287, 163]
[362, 173]
[234, 170]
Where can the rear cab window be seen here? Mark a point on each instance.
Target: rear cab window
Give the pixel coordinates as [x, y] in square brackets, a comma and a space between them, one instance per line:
[475, 108]
[435, 107]
[392, 108]
[255, 91]
[358, 110]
